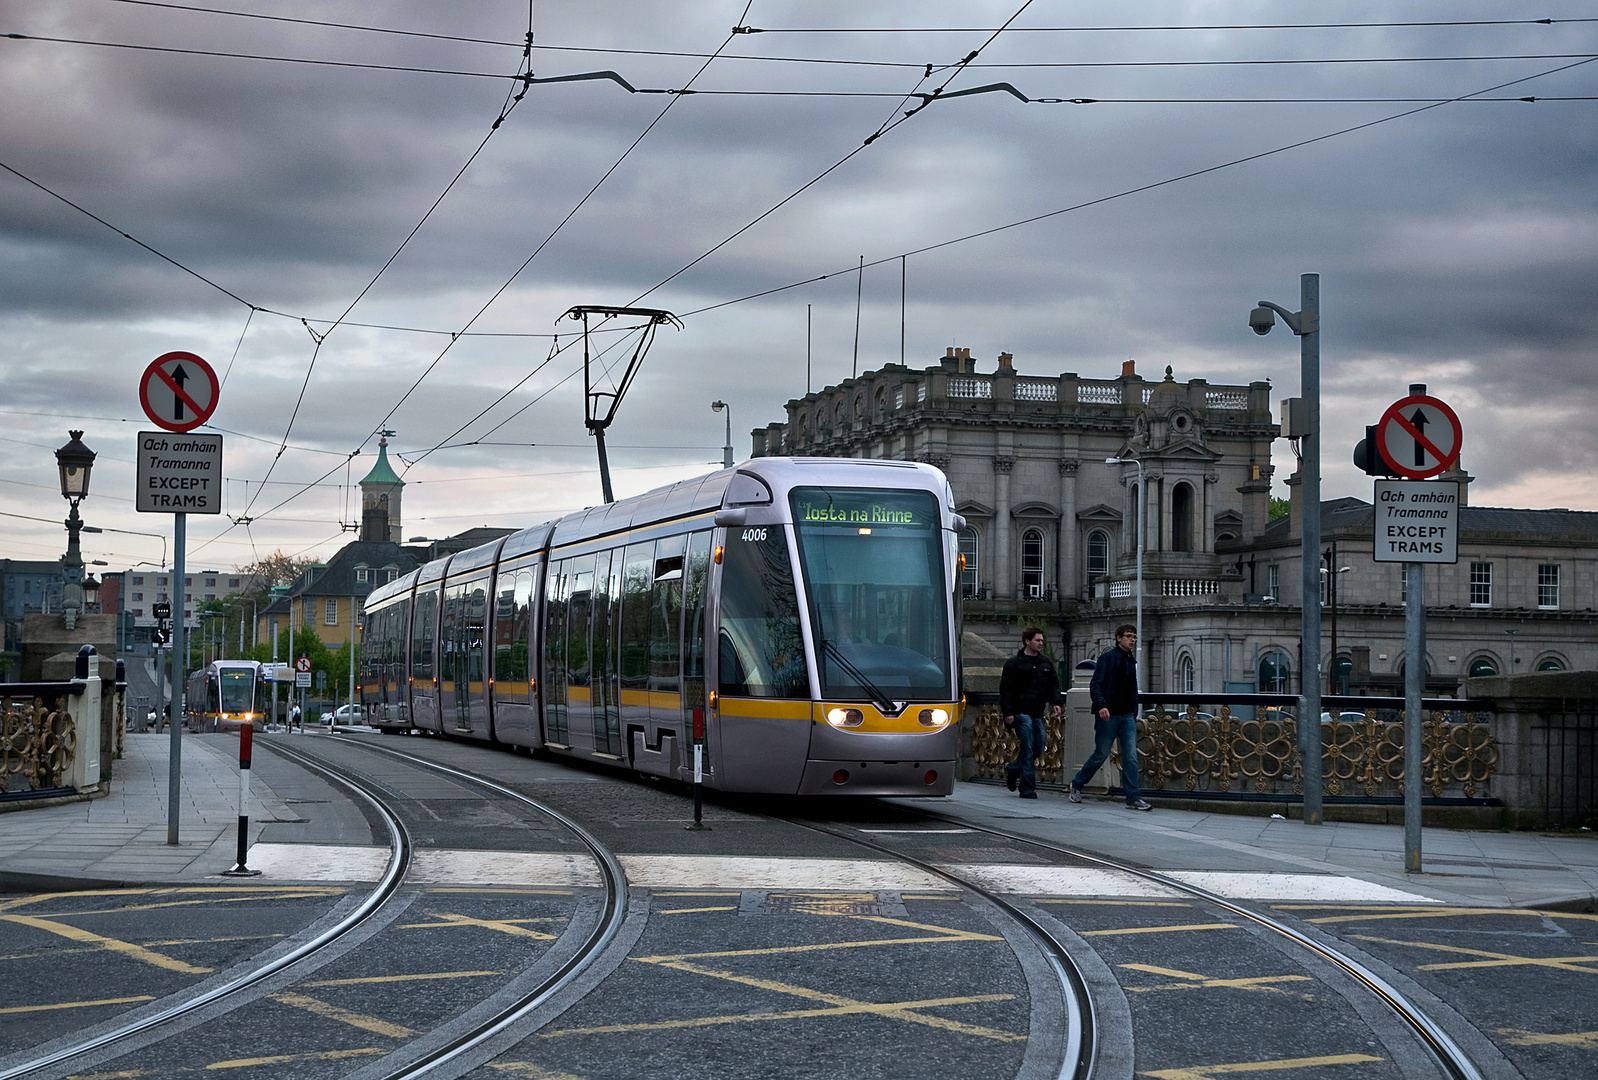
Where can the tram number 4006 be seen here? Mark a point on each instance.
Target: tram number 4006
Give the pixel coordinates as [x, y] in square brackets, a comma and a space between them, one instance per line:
[753, 535]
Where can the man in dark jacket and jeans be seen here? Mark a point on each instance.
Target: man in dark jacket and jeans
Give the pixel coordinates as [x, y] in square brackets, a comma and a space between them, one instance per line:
[1027, 690]
[1114, 695]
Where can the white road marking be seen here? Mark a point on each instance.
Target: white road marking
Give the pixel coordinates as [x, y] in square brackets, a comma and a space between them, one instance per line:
[311, 862]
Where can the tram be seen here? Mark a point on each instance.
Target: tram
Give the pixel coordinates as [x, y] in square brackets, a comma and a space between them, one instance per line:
[795, 616]
[226, 694]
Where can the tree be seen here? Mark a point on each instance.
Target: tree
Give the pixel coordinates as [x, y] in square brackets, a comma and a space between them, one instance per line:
[271, 570]
[1280, 508]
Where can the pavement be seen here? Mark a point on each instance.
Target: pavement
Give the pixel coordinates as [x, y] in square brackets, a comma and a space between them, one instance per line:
[122, 838]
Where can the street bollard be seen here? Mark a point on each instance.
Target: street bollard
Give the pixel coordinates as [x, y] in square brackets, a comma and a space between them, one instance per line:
[246, 733]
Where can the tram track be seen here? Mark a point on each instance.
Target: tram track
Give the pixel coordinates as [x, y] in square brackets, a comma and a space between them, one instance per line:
[1442, 1048]
[400, 847]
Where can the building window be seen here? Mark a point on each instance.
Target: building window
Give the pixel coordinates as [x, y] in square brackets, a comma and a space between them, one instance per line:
[1342, 674]
[968, 576]
[1032, 564]
[187, 582]
[1098, 553]
[1273, 582]
[138, 579]
[210, 583]
[1481, 584]
[361, 574]
[1548, 586]
[138, 596]
[138, 613]
[898, 397]
[232, 582]
[921, 392]
[309, 612]
[1482, 668]
[1182, 518]
[1188, 677]
[1550, 664]
[1403, 584]
[331, 618]
[1274, 673]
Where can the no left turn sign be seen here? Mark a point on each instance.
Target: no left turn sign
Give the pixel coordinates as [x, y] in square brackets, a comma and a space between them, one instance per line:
[1419, 436]
[178, 391]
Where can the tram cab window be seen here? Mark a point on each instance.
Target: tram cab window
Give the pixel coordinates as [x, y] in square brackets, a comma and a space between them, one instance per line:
[873, 565]
[237, 690]
[760, 652]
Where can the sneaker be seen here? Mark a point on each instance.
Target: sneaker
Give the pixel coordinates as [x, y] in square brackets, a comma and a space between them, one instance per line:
[1010, 779]
[1076, 794]
[1029, 794]
[1139, 805]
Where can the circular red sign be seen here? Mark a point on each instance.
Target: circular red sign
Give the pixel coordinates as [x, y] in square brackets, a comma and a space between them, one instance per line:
[1419, 437]
[179, 391]
[303, 664]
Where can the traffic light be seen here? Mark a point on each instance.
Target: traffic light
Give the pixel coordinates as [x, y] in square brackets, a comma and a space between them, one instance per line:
[1368, 459]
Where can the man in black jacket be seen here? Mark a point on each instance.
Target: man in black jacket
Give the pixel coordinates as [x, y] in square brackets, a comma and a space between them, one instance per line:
[1114, 695]
[1027, 690]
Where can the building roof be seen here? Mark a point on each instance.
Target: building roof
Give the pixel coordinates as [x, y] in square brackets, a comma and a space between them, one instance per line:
[1559, 525]
[337, 577]
[382, 472]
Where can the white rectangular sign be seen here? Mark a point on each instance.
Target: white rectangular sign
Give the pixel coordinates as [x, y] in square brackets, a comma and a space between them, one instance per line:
[1417, 521]
[302, 678]
[179, 474]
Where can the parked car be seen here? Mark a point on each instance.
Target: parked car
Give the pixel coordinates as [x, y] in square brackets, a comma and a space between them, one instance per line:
[344, 715]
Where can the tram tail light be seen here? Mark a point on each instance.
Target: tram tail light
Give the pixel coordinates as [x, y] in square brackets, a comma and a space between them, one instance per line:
[934, 718]
[845, 718]
[841, 776]
[931, 777]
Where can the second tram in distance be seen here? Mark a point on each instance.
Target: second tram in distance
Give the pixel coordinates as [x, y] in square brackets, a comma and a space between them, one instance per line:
[226, 694]
[796, 616]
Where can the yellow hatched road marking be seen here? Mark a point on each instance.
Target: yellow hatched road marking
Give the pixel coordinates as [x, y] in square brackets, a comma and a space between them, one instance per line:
[236, 1063]
[1194, 982]
[695, 910]
[292, 890]
[1581, 1040]
[127, 948]
[858, 1008]
[297, 894]
[1492, 959]
[354, 1019]
[1160, 929]
[531, 1071]
[504, 926]
[1114, 903]
[402, 978]
[939, 934]
[75, 1004]
[1206, 1072]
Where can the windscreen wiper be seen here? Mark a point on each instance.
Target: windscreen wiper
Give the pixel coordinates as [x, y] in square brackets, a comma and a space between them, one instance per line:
[878, 698]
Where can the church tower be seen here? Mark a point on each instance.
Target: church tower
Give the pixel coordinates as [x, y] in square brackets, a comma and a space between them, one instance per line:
[380, 498]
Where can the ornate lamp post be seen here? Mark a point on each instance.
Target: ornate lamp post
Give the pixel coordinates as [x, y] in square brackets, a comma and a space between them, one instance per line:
[1142, 530]
[74, 461]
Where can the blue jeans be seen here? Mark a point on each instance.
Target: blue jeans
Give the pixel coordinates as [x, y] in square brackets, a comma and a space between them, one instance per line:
[1124, 728]
[1033, 737]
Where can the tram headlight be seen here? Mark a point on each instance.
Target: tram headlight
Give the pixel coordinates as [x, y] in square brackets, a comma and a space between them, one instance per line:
[934, 718]
[845, 718]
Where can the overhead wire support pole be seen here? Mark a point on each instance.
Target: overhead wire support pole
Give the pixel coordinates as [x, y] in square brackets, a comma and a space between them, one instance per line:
[599, 406]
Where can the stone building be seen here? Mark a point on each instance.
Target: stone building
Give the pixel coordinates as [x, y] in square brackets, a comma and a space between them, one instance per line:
[1052, 531]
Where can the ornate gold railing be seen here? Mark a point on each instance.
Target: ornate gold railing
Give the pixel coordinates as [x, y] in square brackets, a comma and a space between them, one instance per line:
[37, 740]
[1254, 749]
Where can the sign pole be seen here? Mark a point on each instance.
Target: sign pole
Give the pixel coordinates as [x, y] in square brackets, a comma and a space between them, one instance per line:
[180, 646]
[1414, 686]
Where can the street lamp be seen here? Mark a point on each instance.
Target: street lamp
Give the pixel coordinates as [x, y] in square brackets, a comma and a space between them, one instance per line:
[1142, 501]
[74, 461]
[726, 451]
[1306, 324]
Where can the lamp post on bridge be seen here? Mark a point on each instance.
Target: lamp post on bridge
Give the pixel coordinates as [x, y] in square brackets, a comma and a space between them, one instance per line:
[74, 460]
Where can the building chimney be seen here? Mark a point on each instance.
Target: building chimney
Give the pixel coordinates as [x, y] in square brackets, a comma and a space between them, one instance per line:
[1006, 362]
[1128, 368]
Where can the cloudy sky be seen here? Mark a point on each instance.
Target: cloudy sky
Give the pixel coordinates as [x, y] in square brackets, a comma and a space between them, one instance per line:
[267, 169]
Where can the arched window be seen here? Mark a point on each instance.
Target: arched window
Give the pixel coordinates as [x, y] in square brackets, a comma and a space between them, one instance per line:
[1098, 553]
[1480, 669]
[1182, 518]
[1187, 677]
[969, 582]
[1032, 564]
[1137, 519]
[1274, 673]
[1550, 664]
[1342, 672]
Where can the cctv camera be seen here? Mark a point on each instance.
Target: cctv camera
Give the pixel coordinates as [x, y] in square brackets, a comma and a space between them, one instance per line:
[1261, 319]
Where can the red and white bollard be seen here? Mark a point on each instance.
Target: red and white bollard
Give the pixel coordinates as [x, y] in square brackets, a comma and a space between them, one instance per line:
[246, 733]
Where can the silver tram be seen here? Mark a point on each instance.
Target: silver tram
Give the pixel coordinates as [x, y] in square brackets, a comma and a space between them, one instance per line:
[226, 694]
[796, 616]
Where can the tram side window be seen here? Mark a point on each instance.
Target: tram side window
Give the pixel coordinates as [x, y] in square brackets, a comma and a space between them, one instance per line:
[636, 575]
[555, 650]
[665, 615]
[422, 635]
[759, 648]
[475, 625]
[511, 626]
[577, 609]
[452, 636]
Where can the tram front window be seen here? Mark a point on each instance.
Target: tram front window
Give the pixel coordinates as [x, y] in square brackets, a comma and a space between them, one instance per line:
[238, 690]
[760, 651]
[874, 574]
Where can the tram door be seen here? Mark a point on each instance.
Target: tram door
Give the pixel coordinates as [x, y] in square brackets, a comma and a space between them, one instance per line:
[605, 688]
[556, 681]
[579, 606]
[694, 607]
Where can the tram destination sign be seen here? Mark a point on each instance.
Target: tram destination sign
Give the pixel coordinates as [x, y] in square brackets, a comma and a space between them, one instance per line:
[179, 473]
[1417, 521]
